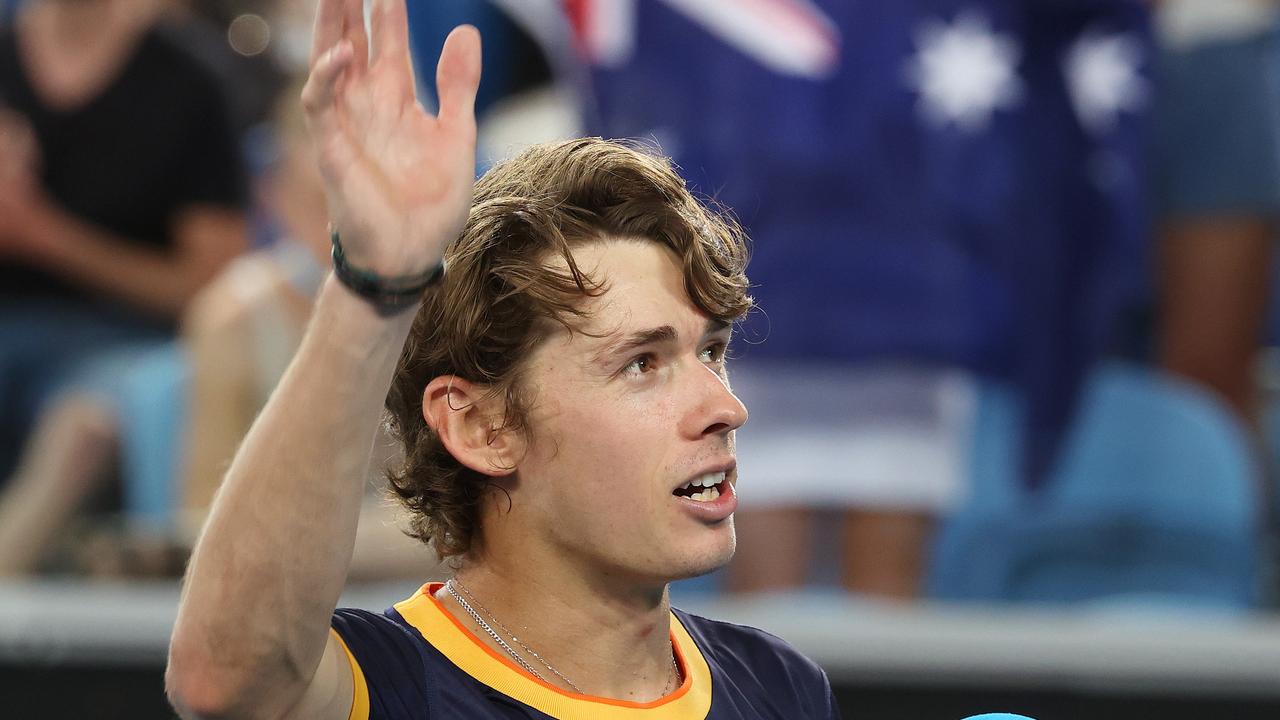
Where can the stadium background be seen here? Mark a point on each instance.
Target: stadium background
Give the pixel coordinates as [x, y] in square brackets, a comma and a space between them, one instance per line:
[957, 210]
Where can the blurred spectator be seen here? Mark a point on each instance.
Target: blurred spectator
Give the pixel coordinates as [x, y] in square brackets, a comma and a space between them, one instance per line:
[239, 335]
[1217, 175]
[936, 190]
[236, 42]
[120, 196]
[244, 328]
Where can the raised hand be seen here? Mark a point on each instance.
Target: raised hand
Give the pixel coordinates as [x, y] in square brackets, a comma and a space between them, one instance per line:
[398, 180]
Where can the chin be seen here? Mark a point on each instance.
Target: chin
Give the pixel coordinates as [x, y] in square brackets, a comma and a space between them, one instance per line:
[707, 556]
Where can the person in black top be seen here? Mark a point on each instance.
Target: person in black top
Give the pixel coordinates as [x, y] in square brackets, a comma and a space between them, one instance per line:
[121, 194]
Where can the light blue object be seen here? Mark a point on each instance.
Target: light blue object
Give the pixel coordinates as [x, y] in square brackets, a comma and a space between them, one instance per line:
[998, 716]
[1155, 497]
[152, 413]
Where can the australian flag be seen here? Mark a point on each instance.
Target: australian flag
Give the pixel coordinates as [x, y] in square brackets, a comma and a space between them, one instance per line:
[946, 182]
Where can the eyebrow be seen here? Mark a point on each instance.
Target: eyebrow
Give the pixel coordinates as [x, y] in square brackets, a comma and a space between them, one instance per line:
[652, 336]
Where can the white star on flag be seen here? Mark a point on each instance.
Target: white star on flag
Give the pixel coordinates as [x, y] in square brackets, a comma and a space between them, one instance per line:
[1102, 75]
[964, 72]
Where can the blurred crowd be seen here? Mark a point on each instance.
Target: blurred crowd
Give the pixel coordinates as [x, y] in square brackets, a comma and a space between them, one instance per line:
[1012, 263]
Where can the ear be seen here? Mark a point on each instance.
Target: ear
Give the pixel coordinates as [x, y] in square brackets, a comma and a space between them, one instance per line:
[469, 423]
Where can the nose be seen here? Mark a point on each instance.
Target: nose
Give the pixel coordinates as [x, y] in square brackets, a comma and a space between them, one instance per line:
[716, 410]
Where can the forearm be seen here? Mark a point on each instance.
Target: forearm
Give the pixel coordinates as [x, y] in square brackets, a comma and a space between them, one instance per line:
[268, 569]
[160, 282]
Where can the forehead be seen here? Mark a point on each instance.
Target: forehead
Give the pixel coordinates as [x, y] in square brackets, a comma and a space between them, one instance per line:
[644, 288]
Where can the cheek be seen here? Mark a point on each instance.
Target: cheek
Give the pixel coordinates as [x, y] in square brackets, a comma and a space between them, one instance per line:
[614, 441]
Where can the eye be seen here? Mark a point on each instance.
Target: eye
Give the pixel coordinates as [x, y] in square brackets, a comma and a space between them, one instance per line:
[640, 365]
[713, 353]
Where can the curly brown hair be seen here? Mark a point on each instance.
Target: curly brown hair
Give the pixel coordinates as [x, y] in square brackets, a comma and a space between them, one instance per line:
[501, 295]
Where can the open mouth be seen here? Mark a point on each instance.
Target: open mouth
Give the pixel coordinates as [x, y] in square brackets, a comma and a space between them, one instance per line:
[704, 488]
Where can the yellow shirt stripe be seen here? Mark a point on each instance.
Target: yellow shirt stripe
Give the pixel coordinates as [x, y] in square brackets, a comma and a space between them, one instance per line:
[691, 701]
[360, 689]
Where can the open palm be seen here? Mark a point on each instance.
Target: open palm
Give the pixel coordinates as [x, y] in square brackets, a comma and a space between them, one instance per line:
[398, 180]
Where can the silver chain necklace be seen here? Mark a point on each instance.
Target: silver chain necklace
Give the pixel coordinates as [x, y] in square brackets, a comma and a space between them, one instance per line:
[452, 586]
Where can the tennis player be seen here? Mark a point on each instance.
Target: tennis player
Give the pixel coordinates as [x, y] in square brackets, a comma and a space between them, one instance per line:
[561, 394]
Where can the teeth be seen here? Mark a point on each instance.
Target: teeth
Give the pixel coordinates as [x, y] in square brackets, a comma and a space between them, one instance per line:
[706, 481]
[707, 495]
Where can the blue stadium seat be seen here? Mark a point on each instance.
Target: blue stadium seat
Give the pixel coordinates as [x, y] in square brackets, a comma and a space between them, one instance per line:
[1155, 497]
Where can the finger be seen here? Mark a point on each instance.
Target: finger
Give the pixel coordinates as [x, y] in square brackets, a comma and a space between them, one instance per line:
[328, 28]
[390, 42]
[458, 75]
[353, 31]
[320, 93]
[389, 29]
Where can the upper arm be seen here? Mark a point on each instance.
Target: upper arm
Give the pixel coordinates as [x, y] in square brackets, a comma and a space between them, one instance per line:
[337, 691]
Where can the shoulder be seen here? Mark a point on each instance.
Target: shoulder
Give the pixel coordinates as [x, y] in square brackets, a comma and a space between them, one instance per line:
[759, 665]
[376, 636]
[388, 663]
[166, 41]
[167, 60]
[730, 641]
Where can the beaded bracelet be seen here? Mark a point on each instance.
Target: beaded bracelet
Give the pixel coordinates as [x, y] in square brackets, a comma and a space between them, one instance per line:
[388, 295]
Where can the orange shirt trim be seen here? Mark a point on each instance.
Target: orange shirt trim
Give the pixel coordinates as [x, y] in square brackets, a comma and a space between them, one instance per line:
[691, 701]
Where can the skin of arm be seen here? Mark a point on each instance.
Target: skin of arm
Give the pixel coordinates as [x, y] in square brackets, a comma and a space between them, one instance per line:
[272, 560]
[224, 401]
[252, 638]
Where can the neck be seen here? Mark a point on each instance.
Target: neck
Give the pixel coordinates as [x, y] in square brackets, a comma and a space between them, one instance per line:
[609, 641]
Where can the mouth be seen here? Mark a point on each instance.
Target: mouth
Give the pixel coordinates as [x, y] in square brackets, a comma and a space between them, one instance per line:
[707, 487]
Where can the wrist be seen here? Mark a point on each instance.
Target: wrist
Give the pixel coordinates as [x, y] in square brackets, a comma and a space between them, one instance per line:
[352, 324]
[388, 294]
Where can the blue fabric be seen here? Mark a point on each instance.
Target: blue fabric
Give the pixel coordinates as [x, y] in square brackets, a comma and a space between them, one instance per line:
[151, 410]
[1010, 250]
[1156, 498]
[754, 675]
[1218, 128]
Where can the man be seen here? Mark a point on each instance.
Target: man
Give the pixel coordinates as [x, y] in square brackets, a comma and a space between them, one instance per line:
[567, 422]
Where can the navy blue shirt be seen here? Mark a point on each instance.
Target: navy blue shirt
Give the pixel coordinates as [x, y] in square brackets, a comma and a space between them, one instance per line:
[416, 662]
